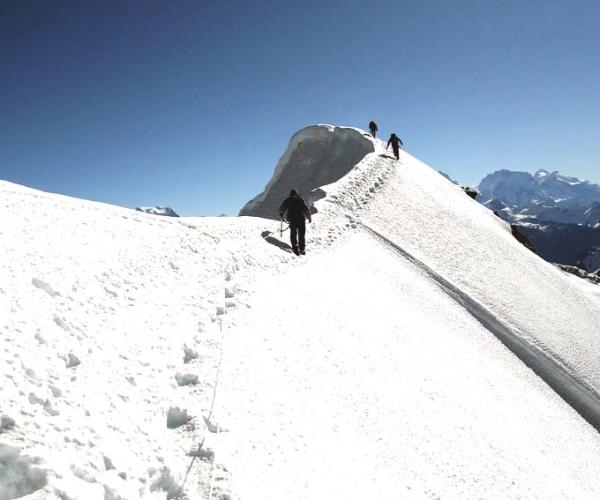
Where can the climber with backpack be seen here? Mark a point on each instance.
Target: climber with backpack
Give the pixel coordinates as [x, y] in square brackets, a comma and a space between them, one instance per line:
[396, 143]
[295, 212]
[373, 128]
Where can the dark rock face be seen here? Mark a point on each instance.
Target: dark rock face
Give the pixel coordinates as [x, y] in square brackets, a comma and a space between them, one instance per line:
[564, 244]
[592, 278]
[591, 261]
[469, 191]
[521, 238]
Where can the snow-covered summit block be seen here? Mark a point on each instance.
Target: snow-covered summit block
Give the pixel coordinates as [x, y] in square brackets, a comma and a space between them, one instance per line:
[166, 211]
[316, 156]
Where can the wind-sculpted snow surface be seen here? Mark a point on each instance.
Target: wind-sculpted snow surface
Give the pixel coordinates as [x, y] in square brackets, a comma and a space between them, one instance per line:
[147, 357]
[316, 156]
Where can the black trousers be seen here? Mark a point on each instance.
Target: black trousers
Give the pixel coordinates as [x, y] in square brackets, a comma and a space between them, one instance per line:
[396, 152]
[297, 232]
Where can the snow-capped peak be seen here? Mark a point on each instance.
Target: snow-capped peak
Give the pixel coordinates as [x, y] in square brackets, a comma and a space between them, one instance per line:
[521, 189]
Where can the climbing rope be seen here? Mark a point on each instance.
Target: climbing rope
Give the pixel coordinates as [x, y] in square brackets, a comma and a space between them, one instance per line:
[212, 472]
[212, 405]
[282, 229]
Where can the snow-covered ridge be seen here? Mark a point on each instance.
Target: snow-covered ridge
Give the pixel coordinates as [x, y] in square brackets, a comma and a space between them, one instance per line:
[400, 216]
[129, 340]
[316, 156]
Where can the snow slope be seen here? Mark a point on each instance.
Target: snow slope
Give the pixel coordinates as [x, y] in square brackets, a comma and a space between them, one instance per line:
[374, 367]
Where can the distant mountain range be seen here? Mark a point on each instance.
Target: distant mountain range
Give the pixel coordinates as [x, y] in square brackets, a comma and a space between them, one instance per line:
[166, 211]
[560, 214]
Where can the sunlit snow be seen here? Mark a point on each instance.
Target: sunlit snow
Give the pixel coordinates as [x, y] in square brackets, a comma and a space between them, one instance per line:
[393, 361]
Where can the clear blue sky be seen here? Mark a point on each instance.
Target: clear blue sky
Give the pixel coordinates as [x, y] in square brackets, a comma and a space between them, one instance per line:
[191, 103]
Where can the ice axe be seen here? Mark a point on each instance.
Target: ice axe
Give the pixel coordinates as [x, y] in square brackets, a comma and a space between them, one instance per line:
[281, 229]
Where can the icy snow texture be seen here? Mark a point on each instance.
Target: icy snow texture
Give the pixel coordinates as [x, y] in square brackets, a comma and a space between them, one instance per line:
[316, 156]
[369, 369]
[176, 417]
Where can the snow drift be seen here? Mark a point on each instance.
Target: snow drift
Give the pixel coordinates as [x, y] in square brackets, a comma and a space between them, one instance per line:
[137, 347]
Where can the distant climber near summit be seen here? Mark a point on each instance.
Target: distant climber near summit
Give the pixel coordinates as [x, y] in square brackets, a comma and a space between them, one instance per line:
[294, 210]
[373, 128]
[396, 143]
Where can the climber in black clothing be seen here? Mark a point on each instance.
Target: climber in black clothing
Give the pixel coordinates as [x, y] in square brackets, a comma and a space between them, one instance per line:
[396, 143]
[373, 128]
[295, 211]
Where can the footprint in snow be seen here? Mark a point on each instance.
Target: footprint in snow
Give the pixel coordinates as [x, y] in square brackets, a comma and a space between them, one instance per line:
[72, 361]
[207, 455]
[42, 285]
[189, 354]
[6, 423]
[177, 417]
[61, 323]
[23, 477]
[186, 379]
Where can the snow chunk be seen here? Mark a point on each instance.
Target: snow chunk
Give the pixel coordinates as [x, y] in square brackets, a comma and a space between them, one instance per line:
[73, 361]
[177, 417]
[189, 354]
[42, 285]
[6, 423]
[17, 476]
[316, 156]
[186, 379]
[166, 483]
